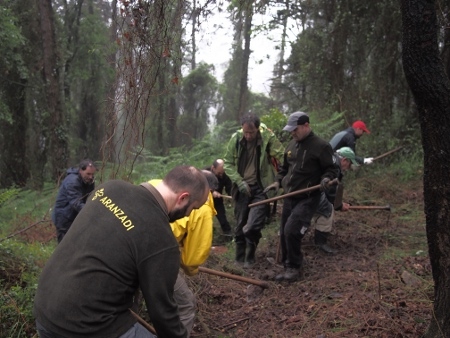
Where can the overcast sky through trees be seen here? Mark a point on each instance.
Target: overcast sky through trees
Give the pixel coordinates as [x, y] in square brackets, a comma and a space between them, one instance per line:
[214, 44]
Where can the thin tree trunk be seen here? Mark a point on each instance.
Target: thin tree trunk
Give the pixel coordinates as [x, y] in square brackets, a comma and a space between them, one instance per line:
[278, 70]
[243, 93]
[193, 34]
[108, 150]
[54, 122]
[14, 166]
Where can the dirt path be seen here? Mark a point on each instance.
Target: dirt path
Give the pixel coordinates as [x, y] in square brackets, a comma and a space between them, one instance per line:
[362, 291]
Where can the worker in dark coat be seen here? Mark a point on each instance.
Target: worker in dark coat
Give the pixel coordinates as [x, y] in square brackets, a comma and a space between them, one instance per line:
[224, 182]
[72, 195]
[348, 138]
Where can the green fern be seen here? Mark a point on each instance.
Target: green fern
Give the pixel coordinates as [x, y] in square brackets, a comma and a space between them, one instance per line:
[8, 194]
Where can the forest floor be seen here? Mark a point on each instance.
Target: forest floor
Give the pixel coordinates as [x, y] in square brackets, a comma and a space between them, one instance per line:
[378, 284]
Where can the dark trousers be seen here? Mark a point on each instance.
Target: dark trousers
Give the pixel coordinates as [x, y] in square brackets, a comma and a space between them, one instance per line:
[250, 221]
[61, 232]
[136, 331]
[222, 215]
[295, 221]
[44, 333]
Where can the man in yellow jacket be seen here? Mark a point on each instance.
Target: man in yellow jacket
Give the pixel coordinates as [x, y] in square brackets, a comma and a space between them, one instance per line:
[194, 233]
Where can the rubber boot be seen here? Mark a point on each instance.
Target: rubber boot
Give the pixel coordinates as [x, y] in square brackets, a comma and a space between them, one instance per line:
[250, 255]
[289, 275]
[320, 239]
[240, 252]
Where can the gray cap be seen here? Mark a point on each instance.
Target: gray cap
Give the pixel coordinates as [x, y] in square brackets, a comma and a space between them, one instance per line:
[295, 119]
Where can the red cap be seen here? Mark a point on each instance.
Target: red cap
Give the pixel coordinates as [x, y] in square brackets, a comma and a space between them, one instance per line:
[361, 125]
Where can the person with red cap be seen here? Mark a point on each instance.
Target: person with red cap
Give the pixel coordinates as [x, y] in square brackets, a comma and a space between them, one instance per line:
[348, 138]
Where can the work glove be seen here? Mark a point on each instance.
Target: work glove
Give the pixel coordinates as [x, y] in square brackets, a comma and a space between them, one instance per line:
[244, 188]
[324, 184]
[368, 160]
[274, 185]
[303, 231]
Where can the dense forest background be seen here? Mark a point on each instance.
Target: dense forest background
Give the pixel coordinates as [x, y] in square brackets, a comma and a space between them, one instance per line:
[118, 81]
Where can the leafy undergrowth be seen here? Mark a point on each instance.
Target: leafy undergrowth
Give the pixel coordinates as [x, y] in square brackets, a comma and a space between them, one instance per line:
[378, 284]
[20, 265]
[25, 230]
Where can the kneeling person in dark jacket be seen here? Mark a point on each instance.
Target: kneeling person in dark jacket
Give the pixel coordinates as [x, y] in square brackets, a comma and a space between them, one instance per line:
[331, 200]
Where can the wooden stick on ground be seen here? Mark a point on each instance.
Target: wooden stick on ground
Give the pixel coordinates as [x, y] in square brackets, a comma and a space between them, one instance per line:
[260, 283]
[278, 254]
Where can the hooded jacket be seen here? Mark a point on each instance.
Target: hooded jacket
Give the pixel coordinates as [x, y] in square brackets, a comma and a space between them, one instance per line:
[71, 198]
[269, 149]
[194, 234]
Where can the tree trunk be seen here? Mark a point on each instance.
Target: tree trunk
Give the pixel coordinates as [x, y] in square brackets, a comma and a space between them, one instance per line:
[14, 167]
[243, 93]
[54, 122]
[195, 13]
[278, 69]
[108, 151]
[430, 86]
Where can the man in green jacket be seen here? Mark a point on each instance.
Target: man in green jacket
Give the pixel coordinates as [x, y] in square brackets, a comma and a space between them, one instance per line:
[252, 156]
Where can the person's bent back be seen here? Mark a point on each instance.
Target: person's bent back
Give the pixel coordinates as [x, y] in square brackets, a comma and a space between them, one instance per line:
[121, 240]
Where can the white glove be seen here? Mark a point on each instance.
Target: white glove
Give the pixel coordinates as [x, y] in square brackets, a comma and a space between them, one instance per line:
[368, 160]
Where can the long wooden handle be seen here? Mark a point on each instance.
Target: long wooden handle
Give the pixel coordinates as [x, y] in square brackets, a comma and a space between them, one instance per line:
[260, 283]
[143, 322]
[370, 207]
[388, 153]
[278, 254]
[314, 187]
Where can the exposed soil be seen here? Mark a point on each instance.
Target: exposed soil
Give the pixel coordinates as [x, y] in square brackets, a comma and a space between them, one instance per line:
[362, 291]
